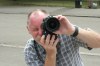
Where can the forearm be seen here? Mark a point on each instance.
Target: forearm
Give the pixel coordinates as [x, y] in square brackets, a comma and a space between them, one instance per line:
[50, 61]
[49, 44]
[90, 37]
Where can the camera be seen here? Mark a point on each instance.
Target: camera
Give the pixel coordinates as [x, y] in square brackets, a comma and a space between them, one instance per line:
[50, 24]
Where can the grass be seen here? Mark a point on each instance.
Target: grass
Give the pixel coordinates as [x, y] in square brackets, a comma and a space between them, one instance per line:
[54, 3]
[68, 4]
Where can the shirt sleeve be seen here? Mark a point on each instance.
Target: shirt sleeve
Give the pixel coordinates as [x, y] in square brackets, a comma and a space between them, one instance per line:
[80, 43]
[31, 57]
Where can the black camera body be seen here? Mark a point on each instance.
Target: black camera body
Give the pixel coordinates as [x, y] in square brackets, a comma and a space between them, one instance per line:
[50, 24]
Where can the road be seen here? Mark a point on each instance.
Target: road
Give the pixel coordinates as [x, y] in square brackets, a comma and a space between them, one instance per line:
[13, 35]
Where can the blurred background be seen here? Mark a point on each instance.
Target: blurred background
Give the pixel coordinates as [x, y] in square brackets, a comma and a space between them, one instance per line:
[14, 34]
[61, 3]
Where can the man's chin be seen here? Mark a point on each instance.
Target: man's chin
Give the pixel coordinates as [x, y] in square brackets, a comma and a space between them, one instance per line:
[37, 41]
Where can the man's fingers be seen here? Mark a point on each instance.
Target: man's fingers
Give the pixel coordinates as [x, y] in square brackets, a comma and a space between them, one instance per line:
[47, 39]
[49, 42]
[56, 42]
[52, 40]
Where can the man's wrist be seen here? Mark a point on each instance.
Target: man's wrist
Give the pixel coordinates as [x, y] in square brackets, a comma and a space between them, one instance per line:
[51, 57]
[75, 32]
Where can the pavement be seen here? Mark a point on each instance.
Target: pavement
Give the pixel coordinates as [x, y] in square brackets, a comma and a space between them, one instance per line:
[13, 31]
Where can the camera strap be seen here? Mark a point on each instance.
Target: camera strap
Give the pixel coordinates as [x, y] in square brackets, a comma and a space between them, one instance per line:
[37, 51]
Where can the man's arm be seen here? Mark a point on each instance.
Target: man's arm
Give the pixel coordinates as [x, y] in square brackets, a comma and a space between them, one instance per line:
[91, 37]
[51, 50]
[50, 60]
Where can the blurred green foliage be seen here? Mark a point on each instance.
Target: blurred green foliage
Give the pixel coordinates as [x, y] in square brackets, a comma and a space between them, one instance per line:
[62, 3]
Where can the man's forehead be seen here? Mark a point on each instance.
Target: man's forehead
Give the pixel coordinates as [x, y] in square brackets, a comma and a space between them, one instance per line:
[37, 17]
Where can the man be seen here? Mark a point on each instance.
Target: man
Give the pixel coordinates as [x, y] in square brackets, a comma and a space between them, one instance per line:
[63, 51]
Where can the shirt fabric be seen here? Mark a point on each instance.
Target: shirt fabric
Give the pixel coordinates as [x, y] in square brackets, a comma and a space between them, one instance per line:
[67, 52]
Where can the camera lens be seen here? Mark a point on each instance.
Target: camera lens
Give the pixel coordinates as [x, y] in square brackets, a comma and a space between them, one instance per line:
[52, 24]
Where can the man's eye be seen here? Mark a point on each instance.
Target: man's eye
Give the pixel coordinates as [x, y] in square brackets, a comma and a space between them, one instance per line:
[35, 29]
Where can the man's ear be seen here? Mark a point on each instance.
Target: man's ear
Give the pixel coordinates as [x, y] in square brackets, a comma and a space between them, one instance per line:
[28, 29]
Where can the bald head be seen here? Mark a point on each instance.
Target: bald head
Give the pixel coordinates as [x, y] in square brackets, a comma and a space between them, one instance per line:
[34, 22]
[37, 16]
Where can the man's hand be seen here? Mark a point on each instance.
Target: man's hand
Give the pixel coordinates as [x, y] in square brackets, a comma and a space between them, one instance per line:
[65, 26]
[49, 45]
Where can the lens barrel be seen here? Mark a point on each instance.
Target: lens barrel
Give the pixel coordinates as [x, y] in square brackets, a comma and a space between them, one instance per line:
[51, 24]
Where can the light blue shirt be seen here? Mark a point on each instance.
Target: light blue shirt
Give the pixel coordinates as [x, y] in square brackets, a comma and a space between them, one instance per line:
[67, 52]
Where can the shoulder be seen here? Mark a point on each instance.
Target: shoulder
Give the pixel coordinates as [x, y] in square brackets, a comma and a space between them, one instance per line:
[30, 41]
[29, 45]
